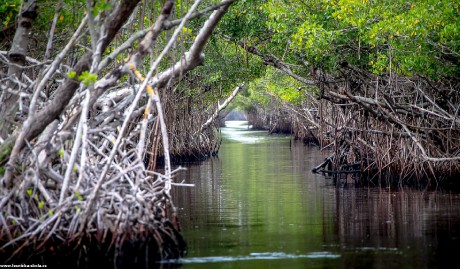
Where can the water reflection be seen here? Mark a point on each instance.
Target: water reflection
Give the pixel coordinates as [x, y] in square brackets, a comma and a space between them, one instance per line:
[255, 256]
[258, 206]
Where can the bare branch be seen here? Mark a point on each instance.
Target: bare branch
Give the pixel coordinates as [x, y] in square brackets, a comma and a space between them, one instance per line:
[49, 45]
[220, 107]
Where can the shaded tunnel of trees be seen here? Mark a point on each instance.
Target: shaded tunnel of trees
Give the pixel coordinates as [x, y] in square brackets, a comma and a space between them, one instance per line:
[99, 99]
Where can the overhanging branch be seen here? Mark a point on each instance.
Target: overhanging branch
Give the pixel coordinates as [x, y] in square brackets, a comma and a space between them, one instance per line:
[221, 106]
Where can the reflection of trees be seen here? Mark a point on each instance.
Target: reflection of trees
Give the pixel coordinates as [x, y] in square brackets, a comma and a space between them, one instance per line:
[205, 195]
[267, 197]
[256, 191]
[377, 217]
[383, 220]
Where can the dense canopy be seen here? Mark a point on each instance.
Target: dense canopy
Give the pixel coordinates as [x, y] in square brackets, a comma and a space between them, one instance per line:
[99, 98]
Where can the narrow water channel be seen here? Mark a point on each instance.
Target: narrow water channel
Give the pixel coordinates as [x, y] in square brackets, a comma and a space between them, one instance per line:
[257, 205]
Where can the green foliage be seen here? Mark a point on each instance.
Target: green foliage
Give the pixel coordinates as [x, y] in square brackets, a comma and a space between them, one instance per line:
[186, 31]
[381, 36]
[100, 6]
[226, 66]
[406, 37]
[414, 38]
[79, 197]
[5, 151]
[274, 84]
[418, 37]
[246, 20]
[8, 11]
[71, 74]
[87, 78]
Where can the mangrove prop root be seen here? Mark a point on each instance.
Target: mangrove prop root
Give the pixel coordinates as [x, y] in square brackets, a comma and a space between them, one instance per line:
[408, 126]
[142, 250]
[75, 177]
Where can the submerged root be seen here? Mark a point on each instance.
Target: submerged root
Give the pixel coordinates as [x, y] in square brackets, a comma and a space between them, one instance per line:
[120, 250]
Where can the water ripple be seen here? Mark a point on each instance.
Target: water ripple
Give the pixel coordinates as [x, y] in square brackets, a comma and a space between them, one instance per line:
[256, 256]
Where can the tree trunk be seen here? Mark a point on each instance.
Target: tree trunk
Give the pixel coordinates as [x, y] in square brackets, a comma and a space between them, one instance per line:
[17, 57]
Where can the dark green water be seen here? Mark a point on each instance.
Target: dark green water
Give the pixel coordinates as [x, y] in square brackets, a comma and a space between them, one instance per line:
[259, 206]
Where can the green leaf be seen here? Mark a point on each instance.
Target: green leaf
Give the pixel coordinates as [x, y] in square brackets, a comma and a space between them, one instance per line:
[71, 74]
[87, 78]
[41, 204]
[50, 212]
[29, 192]
[79, 197]
[100, 6]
